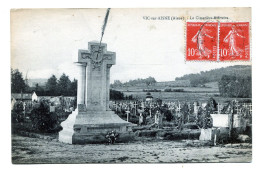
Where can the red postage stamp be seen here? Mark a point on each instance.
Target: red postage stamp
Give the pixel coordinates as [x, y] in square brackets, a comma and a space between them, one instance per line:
[234, 41]
[201, 41]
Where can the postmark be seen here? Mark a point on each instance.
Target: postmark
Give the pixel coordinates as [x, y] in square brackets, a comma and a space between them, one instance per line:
[234, 41]
[201, 41]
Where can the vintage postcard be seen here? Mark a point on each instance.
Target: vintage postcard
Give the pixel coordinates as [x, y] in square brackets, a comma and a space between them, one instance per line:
[160, 85]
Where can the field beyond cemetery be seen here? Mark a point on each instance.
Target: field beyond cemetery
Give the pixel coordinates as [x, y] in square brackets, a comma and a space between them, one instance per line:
[28, 150]
[190, 94]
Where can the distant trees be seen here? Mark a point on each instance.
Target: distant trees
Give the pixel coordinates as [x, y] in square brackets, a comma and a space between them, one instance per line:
[199, 81]
[51, 86]
[147, 81]
[235, 86]
[39, 90]
[173, 90]
[73, 87]
[117, 83]
[17, 82]
[216, 74]
[54, 87]
[63, 86]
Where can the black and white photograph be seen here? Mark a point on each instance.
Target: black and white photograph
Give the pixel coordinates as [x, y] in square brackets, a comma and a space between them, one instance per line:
[131, 85]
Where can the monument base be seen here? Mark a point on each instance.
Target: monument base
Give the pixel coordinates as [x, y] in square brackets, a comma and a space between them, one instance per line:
[65, 135]
[92, 127]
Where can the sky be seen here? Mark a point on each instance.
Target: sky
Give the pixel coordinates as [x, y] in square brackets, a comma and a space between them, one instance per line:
[46, 41]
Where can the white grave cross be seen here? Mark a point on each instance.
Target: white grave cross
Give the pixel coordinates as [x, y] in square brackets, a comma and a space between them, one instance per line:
[127, 113]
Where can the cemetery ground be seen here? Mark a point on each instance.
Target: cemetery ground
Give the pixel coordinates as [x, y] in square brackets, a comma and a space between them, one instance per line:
[149, 146]
[27, 150]
[153, 146]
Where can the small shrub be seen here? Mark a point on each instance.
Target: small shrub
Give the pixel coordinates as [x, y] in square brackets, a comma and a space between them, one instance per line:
[43, 120]
[17, 112]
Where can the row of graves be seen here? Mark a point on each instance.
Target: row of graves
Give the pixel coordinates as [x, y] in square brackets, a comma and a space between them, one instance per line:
[66, 104]
[62, 106]
[29, 100]
[25, 103]
[217, 122]
[232, 122]
[43, 114]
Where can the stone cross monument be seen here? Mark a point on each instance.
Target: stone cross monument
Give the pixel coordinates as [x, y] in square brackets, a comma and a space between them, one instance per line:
[92, 119]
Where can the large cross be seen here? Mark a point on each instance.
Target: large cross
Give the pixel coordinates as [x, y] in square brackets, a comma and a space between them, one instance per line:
[94, 80]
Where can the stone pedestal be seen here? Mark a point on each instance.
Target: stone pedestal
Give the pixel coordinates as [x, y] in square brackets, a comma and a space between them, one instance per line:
[206, 134]
[93, 119]
[215, 135]
[92, 127]
[65, 135]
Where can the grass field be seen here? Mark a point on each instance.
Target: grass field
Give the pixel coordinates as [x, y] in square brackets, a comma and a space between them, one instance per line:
[190, 94]
[209, 87]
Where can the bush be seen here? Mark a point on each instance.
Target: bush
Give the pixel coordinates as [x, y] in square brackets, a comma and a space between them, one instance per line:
[191, 126]
[173, 90]
[17, 112]
[168, 115]
[116, 95]
[151, 90]
[167, 90]
[146, 133]
[43, 120]
[186, 134]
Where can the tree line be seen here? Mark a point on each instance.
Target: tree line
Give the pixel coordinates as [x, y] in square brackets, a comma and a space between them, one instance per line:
[54, 86]
[235, 86]
[147, 81]
[215, 75]
[62, 86]
[18, 84]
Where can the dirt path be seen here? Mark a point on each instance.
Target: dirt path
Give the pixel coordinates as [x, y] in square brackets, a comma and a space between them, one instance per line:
[33, 150]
